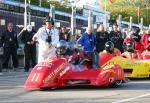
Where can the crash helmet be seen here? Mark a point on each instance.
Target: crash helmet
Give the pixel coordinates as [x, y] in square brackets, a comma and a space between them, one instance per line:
[109, 46]
[29, 28]
[70, 45]
[130, 46]
[61, 48]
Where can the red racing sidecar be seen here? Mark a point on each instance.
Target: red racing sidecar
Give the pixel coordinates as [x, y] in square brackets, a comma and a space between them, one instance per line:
[57, 72]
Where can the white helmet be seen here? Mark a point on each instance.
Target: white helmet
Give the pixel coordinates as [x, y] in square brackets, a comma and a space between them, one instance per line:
[29, 28]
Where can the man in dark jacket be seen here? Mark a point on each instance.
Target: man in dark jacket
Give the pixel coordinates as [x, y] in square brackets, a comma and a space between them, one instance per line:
[116, 37]
[29, 48]
[8, 41]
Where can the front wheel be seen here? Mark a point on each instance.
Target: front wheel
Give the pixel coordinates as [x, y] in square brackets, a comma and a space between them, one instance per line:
[117, 83]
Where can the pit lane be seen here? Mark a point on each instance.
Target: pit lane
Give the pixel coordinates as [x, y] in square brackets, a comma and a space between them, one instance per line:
[11, 91]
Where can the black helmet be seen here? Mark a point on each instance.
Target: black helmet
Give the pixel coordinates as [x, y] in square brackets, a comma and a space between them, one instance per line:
[70, 45]
[109, 46]
[61, 47]
[130, 46]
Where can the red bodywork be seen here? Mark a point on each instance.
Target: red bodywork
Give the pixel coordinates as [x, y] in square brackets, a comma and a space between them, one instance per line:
[57, 72]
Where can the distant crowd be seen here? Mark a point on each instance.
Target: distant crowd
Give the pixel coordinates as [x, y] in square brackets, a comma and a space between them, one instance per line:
[49, 40]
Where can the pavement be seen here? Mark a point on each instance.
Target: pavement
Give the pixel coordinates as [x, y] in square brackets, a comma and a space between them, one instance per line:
[11, 73]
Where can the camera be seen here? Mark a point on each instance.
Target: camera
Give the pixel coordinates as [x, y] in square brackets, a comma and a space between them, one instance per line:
[49, 39]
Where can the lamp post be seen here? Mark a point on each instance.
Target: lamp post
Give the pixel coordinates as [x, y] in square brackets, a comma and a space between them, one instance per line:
[141, 24]
[130, 24]
[40, 3]
[25, 14]
[29, 13]
[73, 18]
[52, 11]
[90, 19]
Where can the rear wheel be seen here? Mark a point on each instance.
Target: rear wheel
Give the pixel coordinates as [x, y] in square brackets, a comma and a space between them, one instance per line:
[48, 88]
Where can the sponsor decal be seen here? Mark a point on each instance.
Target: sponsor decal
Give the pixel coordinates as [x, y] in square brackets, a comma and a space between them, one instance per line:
[64, 71]
[52, 74]
[39, 68]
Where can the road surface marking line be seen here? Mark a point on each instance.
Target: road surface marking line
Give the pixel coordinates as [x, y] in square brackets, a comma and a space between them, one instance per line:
[130, 99]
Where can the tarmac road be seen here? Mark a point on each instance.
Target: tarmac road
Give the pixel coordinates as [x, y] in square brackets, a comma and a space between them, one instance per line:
[12, 91]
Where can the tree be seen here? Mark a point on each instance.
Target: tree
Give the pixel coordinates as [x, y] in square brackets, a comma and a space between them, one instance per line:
[129, 8]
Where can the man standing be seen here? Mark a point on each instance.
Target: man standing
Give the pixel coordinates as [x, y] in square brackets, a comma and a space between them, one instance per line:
[45, 33]
[29, 48]
[8, 41]
[116, 37]
[88, 40]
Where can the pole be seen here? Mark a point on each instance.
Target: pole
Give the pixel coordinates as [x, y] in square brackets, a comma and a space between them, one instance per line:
[29, 14]
[141, 23]
[72, 21]
[25, 14]
[105, 21]
[130, 25]
[138, 15]
[40, 3]
[90, 19]
[119, 22]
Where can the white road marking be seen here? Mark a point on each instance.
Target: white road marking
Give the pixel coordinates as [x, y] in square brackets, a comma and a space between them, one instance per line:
[130, 99]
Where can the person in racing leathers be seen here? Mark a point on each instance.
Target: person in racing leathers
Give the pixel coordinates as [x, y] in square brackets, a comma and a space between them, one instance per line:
[74, 55]
[68, 50]
[109, 52]
[146, 53]
[145, 37]
[130, 52]
[109, 48]
[61, 49]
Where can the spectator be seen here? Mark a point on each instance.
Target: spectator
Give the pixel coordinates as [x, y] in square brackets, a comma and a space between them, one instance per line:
[101, 38]
[61, 36]
[88, 40]
[8, 41]
[29, 48]
[47, 32]
[116, 37]
[66, 34]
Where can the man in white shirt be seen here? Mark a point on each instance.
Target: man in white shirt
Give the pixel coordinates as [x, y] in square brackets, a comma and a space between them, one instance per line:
[44, 33]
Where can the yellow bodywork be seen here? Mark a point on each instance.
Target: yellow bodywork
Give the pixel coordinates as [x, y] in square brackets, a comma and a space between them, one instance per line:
[132, 68]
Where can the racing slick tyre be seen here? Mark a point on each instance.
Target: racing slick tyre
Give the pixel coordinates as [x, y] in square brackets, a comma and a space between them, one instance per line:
[117, 83]
[48, 88]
